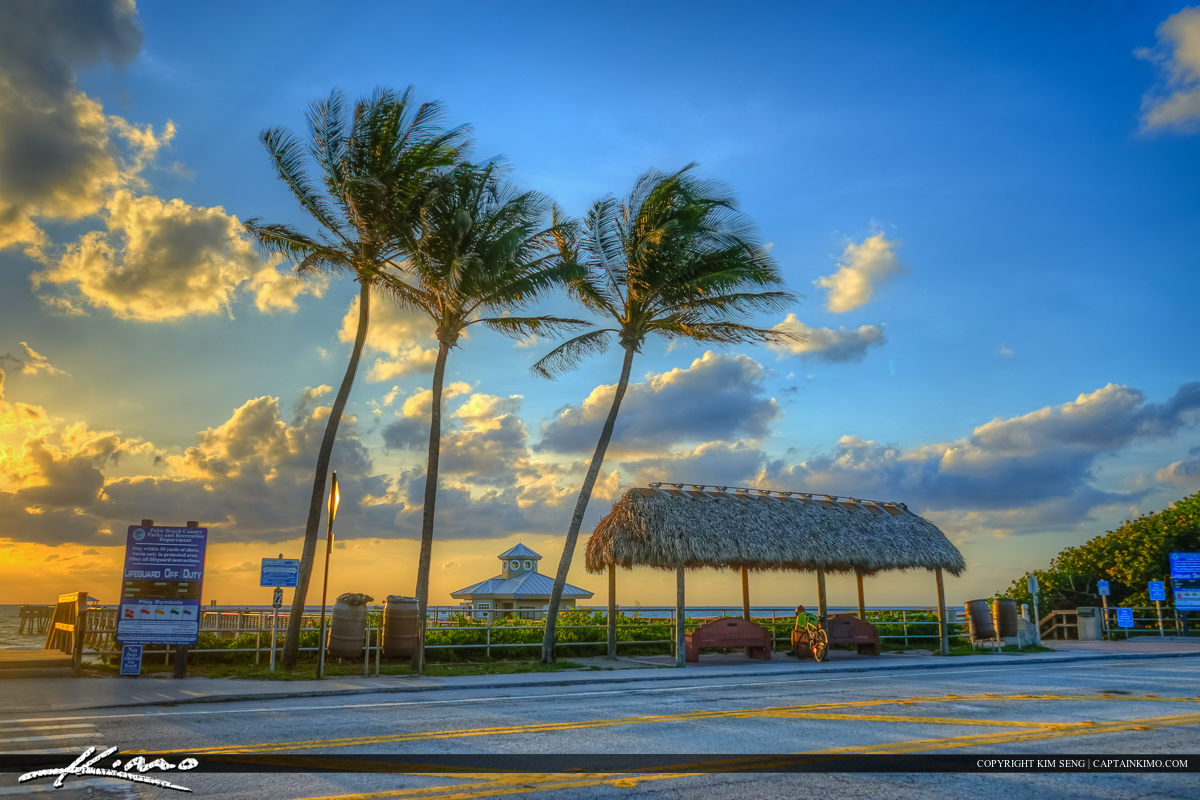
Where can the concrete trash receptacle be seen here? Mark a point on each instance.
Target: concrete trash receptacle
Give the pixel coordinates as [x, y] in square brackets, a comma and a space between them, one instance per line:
[1089, 623]
[399, 626]
[348, 625]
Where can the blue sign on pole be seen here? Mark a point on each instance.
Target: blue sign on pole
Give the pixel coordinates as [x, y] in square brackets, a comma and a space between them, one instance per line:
[279, 572]
[131, 659]
[1124, 617]
[1185, 580]
[1102, 588]
[160, 588]
[1158, 590]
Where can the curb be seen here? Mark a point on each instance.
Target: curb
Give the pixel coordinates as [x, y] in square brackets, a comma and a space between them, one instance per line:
[669, 674]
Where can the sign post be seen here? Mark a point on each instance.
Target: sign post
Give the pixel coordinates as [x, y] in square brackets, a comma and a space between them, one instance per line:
[131, 659]
[1032, 583]
[1185, 583]
[160, 588]
[278, 572]
[1158, 593]
[1102, 590]
[1125, 619]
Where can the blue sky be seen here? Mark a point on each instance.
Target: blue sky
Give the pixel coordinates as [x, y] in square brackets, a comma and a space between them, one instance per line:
[990, 214]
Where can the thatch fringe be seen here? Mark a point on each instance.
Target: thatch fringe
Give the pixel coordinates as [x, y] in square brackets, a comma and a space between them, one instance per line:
[668, 528]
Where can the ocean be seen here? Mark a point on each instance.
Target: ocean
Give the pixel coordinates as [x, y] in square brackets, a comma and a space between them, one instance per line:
[10, 639]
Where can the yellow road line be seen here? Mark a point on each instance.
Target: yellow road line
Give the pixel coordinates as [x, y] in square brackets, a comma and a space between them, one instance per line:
[691, 716]
[543, 782]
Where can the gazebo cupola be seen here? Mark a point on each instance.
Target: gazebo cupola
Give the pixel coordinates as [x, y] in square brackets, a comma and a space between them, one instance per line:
[518, 561]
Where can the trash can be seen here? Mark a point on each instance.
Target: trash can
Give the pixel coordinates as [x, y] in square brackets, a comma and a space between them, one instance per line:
[979, 618]
[1089, 623]
[1004, 616]
[348, 626]
[399, 626]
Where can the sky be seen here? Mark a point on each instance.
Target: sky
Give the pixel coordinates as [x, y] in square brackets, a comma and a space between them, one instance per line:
[989, 216]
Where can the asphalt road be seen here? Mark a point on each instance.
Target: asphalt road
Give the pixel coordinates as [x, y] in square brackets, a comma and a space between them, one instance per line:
[1122, 708]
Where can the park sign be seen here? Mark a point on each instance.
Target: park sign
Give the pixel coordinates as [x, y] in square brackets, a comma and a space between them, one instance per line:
[1124, 617]
[1158, 591]
[160, 585]
[1102, 588]
[279, 572]
[1185, 580]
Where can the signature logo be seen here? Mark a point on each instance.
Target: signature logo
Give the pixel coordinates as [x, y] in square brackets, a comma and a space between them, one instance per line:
[132, 770]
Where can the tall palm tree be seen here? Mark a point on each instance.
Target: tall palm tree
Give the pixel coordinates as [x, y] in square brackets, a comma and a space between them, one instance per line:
[480, 250]
[675, 258]
[376, 168]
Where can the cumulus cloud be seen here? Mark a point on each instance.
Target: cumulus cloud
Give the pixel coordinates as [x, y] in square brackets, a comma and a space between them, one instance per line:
[1042, 460]
[33, 363]
[164, 260]
[396, 332]
[827, 344]
[1175, 104]
[716, 397]
[861, 268]
[1184, 474]
[716, 463]
[61, 156]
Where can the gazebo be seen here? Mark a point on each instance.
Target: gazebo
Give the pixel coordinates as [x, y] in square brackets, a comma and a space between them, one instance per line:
[678, 526]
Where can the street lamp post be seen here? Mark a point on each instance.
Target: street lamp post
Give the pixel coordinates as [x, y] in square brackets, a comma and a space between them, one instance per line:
[334, 498]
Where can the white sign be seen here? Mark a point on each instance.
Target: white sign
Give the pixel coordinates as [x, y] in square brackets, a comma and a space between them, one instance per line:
[280, 572]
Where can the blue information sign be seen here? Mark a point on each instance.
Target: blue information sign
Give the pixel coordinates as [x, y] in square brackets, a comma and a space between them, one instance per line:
[279, 572]
[1124, 617]
[1185, 580]
[160, 588]
[131, 659]
[1102, 588]
[1158, 590]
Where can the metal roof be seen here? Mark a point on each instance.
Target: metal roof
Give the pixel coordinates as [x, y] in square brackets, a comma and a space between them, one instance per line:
[519, 551]
[529, 586]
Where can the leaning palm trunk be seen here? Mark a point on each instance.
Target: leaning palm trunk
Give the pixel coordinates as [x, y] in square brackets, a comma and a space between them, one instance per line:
[585, 495]
[431, 480]
[291, 643]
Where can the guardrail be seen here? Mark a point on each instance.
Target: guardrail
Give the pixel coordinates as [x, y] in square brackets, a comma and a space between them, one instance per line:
[899, 625]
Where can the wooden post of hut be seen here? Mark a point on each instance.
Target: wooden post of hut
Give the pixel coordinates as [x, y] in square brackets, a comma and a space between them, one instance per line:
[612, 610]
[862, 603]
[822, 606]
[679, 617]
[745, 593]
[943, 632]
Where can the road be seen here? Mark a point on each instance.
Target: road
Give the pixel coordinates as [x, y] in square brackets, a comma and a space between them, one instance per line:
[1121, 707]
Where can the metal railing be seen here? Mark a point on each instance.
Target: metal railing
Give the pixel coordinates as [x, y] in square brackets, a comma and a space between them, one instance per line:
[900, 625]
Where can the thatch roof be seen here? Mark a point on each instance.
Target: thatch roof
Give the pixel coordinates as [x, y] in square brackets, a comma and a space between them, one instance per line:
[666, 526]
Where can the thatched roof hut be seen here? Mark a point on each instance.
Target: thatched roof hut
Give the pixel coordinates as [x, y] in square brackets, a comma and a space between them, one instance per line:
[686, 526]
[668, 526]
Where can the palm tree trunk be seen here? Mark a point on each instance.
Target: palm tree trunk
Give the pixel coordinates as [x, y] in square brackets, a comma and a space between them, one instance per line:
[291, 642]
[585, 494]
[431, 480]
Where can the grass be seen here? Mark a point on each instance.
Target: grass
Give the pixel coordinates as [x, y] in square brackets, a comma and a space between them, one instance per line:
[307, 671]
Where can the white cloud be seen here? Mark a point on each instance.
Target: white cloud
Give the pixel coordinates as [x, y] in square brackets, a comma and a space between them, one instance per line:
[1177, 103]
[827, 344]
[1184, 474]
[164, 260]
[33, 363]
[716, 397]
[861, 268]
[397, 333]
[61, 156]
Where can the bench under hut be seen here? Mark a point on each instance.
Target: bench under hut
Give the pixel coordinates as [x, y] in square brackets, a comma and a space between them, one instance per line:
[673, 526]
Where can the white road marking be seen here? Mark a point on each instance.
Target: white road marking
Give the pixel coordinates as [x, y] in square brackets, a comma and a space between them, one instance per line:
[975, 670]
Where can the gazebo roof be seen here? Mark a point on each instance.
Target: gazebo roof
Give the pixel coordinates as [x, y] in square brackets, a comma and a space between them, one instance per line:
[667, 526]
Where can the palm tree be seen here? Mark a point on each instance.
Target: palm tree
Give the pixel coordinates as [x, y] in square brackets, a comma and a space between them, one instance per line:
[376, 169]
[480, 250]
[676, 259]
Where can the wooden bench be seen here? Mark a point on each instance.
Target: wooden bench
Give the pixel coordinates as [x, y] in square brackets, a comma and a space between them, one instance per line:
[729, 632]
[849, 629]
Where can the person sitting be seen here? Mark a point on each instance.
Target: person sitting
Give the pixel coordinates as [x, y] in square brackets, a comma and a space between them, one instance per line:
[804, 622]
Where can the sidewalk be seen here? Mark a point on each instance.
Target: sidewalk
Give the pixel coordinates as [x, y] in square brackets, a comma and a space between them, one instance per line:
[25, 696]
